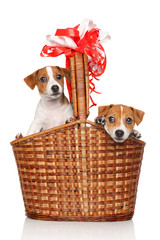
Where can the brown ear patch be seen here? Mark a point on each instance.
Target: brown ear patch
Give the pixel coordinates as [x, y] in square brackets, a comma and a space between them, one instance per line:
[103, 110]
[31, 80]
[67, 73]
[138, 115]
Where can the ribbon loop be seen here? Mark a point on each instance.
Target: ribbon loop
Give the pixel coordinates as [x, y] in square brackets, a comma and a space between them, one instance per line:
[71, 32]
[84, 38]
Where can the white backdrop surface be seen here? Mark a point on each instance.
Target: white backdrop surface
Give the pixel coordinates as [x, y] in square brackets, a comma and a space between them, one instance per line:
[131, 78]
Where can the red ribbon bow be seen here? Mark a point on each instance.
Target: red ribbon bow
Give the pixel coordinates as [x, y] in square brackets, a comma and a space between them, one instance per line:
[89, 44]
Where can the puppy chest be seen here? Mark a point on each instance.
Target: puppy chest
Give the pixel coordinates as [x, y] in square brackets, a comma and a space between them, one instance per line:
[54, 117]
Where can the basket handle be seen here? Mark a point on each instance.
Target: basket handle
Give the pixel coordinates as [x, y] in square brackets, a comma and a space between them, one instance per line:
[80, 85]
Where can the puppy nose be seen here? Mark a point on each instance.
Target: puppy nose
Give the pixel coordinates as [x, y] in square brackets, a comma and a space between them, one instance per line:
[55, 88]
[119, 133]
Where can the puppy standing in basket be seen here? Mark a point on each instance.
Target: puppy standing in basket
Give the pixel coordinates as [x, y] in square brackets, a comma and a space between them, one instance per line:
[53, 108]
[119, 121]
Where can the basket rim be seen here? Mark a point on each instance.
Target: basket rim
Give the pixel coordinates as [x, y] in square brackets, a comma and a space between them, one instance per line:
[16, 141]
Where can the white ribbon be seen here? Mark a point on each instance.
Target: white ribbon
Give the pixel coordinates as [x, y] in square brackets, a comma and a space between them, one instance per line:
[62, 41]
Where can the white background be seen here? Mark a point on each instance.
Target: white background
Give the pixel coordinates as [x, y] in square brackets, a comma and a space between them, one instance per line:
[132, 76]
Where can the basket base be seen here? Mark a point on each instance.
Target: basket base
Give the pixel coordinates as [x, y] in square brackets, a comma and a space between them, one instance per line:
[109, 218]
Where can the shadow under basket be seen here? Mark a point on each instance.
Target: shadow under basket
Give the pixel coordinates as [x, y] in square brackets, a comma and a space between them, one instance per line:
[76, 172]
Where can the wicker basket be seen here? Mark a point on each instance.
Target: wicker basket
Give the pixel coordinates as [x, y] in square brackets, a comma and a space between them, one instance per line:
[76, 171]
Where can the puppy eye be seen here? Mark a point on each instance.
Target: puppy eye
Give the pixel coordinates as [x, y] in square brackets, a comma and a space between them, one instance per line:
[128, 120]
[111, 119]
[43, 79]
[59, 77]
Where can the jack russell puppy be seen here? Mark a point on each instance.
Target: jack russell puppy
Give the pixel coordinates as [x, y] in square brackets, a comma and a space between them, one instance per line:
[53, 108]
[119, 121]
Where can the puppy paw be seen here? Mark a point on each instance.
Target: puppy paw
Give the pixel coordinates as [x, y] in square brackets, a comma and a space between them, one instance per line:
[71, 119]
[100, 120]
[135, 134]
[18, 136]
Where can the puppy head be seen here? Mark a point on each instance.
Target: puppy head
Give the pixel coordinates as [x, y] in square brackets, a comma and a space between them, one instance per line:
[49, 80]
[120, 120]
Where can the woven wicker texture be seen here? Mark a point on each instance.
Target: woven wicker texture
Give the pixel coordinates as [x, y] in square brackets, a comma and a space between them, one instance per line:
[77, 172]
[80, 85]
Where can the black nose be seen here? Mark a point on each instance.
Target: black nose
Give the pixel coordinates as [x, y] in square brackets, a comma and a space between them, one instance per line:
[55, 88]
[119, 133]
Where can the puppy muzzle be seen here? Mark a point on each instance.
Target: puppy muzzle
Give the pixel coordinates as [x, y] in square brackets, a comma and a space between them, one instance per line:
[119, 133]
[55, 89]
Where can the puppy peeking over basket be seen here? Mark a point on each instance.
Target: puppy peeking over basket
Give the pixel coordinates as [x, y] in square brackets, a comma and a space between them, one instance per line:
[53, 108]
[119, 121]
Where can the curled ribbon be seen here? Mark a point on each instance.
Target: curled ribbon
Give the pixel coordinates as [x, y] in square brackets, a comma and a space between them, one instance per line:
[84, 38]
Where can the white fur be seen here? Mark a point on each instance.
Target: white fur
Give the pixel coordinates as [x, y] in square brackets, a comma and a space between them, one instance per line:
[50, 112]
[121, 114]
[52, 82]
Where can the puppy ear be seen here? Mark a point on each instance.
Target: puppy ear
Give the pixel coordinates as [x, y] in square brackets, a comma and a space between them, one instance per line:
[31, 80]
[67, 73]
[103, 110]
[138, 115]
